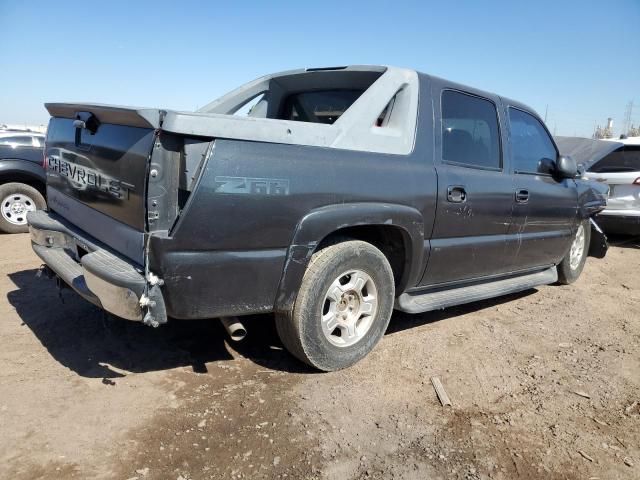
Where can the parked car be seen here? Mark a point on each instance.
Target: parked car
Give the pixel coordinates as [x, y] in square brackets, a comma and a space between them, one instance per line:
[22, 178]
[616, 163]
[345, 193]
[621, 171]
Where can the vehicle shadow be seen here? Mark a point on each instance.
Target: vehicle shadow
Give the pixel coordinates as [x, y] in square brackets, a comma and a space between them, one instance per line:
[85, 340]
[624, 241]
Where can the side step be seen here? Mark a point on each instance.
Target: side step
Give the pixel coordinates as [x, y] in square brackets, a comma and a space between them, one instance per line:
[418, 302]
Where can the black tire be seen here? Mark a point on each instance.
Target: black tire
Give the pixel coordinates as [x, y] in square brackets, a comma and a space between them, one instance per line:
[15, 188]
[568, 274]
[301, 330]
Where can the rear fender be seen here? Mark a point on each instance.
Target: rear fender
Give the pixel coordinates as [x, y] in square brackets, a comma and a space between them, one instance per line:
[16, 170]
[322, 222]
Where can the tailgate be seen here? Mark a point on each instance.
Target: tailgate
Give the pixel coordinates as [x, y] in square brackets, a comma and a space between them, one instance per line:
[102, 165]
[116, 175]
[97, 159]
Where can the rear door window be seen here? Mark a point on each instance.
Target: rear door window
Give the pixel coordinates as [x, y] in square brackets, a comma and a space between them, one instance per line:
[470, 133]
[625, 159]
[533, 149]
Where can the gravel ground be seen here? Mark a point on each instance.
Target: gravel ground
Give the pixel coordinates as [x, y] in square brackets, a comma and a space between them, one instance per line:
[544, 384]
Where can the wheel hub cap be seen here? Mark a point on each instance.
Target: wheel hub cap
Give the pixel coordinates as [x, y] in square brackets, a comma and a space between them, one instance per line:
[577, 248]
[349, 308]
[15, 207]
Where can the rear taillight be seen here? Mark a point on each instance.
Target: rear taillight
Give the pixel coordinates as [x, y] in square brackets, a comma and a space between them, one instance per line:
[636, 181]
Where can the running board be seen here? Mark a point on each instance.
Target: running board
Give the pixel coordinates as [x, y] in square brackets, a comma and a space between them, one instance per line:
[417, 302]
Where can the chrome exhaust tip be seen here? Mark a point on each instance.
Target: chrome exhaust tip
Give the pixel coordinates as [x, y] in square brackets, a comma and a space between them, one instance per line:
[234, 328]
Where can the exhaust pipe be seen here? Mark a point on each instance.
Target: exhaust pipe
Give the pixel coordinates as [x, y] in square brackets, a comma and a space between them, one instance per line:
[234, 328]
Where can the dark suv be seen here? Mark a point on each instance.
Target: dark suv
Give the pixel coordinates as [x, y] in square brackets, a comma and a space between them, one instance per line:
[22, 178]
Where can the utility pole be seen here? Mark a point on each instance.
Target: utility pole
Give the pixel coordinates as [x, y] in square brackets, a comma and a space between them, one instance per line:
[546, 110]
[627, 118]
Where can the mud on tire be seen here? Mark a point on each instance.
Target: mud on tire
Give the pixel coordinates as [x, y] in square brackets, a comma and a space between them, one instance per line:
[346, 281]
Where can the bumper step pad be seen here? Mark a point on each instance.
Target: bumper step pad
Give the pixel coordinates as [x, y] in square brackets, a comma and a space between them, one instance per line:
[99, 276]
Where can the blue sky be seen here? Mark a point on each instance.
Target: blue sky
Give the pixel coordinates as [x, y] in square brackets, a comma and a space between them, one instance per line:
[578, 57]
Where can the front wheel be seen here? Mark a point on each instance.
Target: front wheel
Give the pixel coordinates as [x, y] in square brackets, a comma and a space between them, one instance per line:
[18, 199]
[343, 306]
[572, 264]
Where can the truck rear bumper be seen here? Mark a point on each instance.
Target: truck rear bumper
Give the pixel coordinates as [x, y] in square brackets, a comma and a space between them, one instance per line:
[94, 272]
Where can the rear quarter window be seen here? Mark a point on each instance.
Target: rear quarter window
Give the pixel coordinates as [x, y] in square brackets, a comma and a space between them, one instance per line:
[625, 159]
[20, 140]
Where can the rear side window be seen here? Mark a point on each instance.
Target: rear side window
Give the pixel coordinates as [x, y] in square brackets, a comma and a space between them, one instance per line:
[470, 134]
[319, 106]
[21, 140]
[625, 159]
[533, 149]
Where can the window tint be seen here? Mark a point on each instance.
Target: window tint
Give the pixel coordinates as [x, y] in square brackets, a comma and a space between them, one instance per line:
[17, 140]
[532, 147]
[321, 106]
[470, 132]
[625, 159]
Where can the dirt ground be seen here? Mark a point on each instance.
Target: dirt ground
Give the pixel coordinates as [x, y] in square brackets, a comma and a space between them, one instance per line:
[544, 384]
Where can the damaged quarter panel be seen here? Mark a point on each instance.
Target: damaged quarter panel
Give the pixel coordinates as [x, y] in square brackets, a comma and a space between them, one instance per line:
[249, 204]
[592, 197]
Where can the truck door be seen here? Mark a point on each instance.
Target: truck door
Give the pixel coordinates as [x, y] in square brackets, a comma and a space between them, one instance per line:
[470, 237]
[545, 210]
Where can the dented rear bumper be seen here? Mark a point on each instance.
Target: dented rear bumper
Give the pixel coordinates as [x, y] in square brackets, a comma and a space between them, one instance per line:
[94, 272]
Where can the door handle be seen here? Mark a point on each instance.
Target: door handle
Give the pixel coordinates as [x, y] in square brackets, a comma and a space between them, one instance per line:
[456, 194]
[522, 196]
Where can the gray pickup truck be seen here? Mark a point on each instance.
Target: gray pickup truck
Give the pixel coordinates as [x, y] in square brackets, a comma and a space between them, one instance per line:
[328, 196]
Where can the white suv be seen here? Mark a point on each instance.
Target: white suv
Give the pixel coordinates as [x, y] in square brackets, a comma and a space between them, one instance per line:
[620, 170]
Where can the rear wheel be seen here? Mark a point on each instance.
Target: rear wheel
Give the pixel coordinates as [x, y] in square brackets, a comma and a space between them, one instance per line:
[17, 200]
[343, 306]
[572, 264]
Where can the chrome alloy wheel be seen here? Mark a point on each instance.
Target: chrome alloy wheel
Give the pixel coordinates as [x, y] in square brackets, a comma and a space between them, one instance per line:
[577, 248]
[349, 308]
[15, 207]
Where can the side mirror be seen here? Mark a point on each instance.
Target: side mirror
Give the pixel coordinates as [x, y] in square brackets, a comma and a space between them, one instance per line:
[566, 167]
[546, 165]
